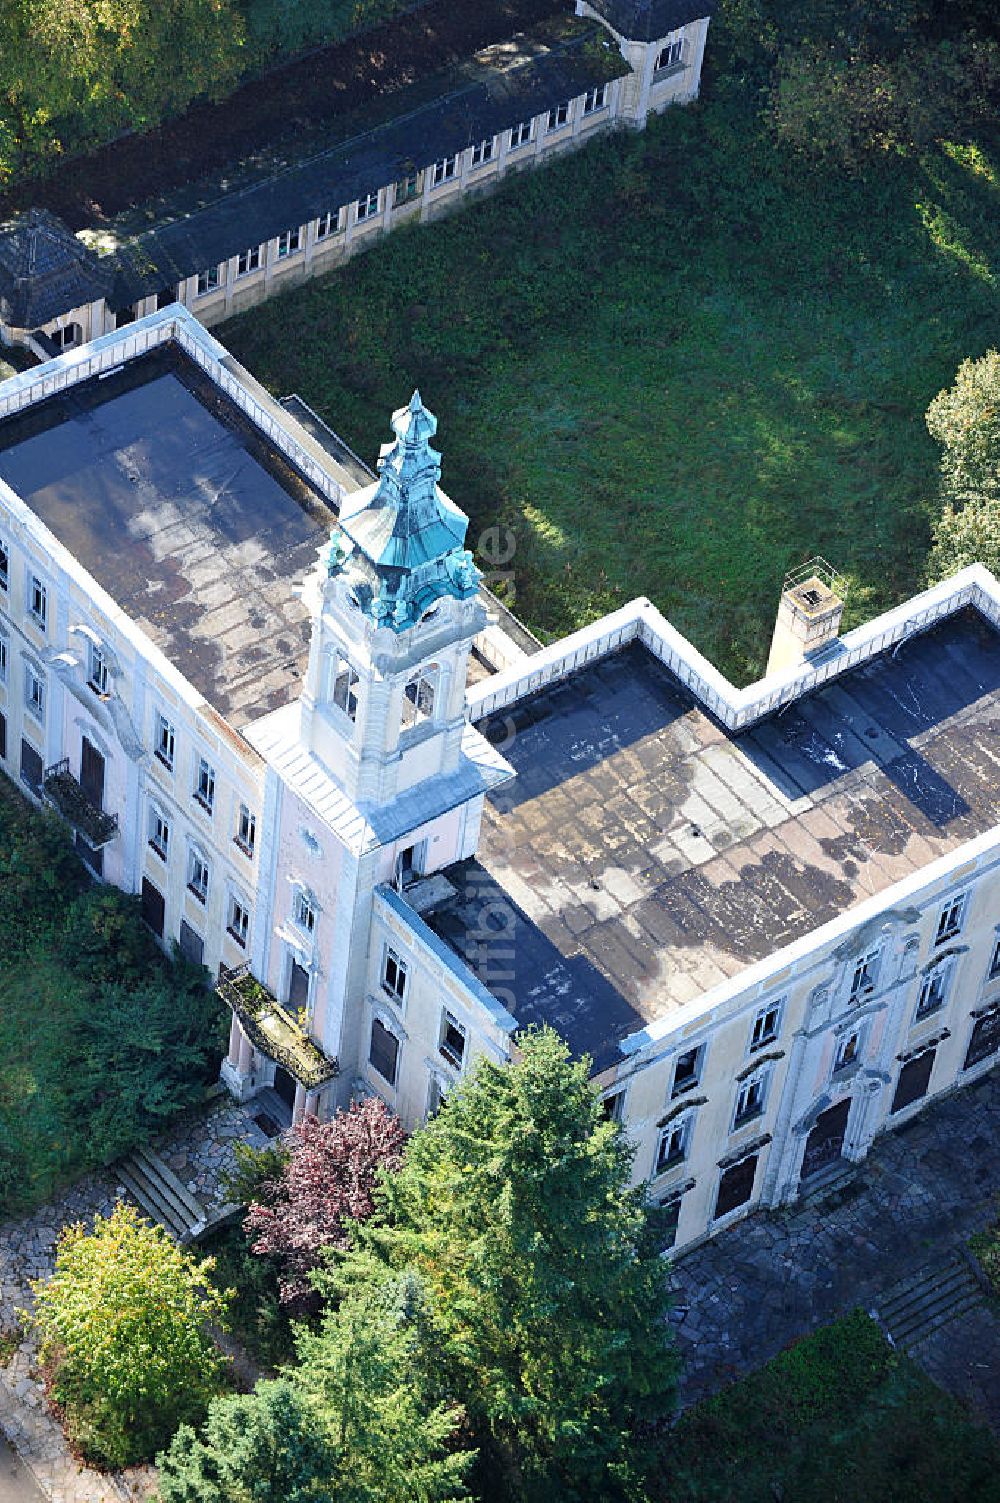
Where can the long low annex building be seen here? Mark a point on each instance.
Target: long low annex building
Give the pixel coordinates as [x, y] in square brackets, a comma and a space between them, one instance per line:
[252, 678]
[412, 155]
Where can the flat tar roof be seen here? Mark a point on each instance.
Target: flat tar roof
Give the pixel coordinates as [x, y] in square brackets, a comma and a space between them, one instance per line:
[189, 519]
[644, 855]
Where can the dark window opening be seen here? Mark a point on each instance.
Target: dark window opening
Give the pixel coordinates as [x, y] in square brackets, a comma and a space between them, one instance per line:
[736, 1185]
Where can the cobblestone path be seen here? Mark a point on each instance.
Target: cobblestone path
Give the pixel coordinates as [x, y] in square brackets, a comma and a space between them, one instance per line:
[199, 1151]
[744, 1296]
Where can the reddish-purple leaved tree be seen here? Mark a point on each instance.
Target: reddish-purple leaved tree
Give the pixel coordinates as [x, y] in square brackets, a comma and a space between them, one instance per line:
[328, 1181]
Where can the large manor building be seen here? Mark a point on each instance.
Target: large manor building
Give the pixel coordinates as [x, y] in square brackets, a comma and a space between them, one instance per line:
[265, 689]
[219, 247]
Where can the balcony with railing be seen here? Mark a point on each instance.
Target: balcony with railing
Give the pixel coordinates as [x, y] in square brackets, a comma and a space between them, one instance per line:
[273, 1030]
[66, 794]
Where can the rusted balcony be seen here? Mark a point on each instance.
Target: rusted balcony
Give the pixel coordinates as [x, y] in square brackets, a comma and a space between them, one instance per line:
[67, 796]
[273, 1030]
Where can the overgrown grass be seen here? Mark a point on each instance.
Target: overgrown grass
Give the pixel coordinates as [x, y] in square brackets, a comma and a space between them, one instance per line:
[102, 1039]
[838, 1417]
[675, 364]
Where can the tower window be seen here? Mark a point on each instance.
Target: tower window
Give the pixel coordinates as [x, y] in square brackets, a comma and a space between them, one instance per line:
[198, 875]
[670, 55]
[765, 1025]
[933, 989]
[345, 688]
[165, 741]
[305, 912]
[419, 696]
[687, 1069]
[238, 924]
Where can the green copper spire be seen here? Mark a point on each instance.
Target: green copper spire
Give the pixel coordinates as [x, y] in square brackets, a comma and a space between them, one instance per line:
[401, 541]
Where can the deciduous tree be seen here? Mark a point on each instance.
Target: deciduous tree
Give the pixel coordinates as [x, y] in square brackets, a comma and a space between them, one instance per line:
[327, 1182]
[965, 420]
[123, 1325]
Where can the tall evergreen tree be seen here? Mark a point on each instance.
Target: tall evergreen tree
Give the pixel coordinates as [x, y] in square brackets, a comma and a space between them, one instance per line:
[548, 1297]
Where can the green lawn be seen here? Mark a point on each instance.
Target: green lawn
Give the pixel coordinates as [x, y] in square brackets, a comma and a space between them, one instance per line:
[675, 364]
[839, 1418]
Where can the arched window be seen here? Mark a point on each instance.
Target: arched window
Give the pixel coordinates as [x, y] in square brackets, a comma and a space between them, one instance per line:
[420, 695]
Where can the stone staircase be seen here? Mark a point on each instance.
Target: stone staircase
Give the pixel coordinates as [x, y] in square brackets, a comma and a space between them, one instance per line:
[918, 1306]
[162, 1195]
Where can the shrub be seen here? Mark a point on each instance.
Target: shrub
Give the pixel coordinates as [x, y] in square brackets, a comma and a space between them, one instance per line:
[124, 1340]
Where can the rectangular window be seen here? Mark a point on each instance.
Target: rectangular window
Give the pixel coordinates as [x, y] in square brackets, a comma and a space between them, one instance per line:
[383, 1054]
[246, 830]
[198, 876]
[238, 925]
[34, 692]
[452, 1043]
[750, 1099]
[4, 566]
[613, 1106]
[31, 767]
[913, 1081]
[153, 907]
[289, 243]
[305, 913]
[865, 976]
[393, 975]
[595, 99]
[933, 990]
[765, 1025]
[445, 170]
[558, 116]
[847, 1052]
[165, 742]
[208, 280]
[4, 659]
[345, 688]
[38, 601]
[520, 135]
[192, 945]
[248, 261]
[3, 737]
[668, 1219]
[736, 1185]
[328, 224]
[368, 207]
[159, 833]
[98, 677]
[950, 919]
[672, 1146]
[407, 189]
[204, 788]
[484, 152]
[994, 971]
[671, 55]
[687, 1069]
[985, 1038]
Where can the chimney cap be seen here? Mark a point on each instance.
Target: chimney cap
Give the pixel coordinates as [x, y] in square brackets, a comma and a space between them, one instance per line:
[815, 587]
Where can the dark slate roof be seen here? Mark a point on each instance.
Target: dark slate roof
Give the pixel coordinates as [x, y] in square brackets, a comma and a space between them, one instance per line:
[435, 118]
[644, 855]
[45, 271]
[650, 20]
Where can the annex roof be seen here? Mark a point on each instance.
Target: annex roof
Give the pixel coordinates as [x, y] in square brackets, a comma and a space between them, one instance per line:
[399, 133]
[45, 271]
[650, 20]
[645, 855]
[182, 511]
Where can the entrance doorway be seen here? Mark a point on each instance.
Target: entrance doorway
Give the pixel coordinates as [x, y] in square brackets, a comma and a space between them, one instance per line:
[826, 1141]
[284, 1085]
